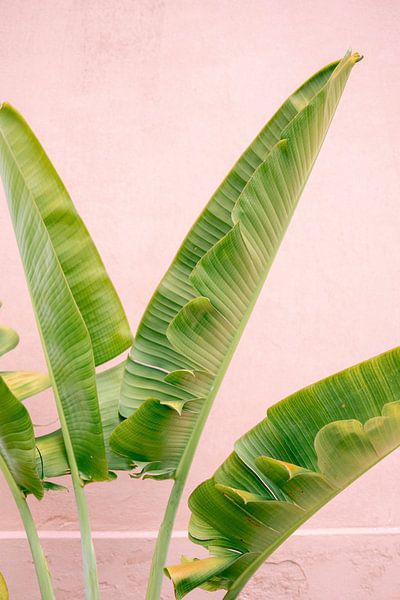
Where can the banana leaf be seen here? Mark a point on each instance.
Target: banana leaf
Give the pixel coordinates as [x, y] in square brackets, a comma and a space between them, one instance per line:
[79, 315]
[17, 442]
[309, 448]
[196, 317]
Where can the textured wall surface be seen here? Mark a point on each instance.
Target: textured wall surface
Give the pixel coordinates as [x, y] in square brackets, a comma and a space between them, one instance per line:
[143, 107]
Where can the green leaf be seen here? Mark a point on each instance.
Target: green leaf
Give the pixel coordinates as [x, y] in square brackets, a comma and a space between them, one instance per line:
[33, 185]
[51, 456]
[17, 442]
[3, 588]
[22, 384]
[196, 317]
[8, 339]
[310, 447]
[25, 384]
[80, 318]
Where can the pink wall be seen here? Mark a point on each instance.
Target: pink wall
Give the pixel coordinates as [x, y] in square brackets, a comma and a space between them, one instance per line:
[143, 107]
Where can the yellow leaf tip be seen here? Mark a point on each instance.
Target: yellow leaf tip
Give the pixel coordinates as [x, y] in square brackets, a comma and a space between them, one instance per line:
[356, 57]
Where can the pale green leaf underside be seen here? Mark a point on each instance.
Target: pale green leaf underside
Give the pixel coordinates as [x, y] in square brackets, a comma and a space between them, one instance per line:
[310, 446]
[17, 442]
[194, 321]
[8, 339]
[78, 313]
[25, 384]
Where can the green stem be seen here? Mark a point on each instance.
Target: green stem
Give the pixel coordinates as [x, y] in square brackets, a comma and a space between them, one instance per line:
[163, 540]
[39, 559]
[88, 553]
[182, 472]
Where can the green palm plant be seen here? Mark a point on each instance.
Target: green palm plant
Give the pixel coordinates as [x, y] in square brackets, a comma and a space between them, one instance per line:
[149, 410]
[194, 321]
[79, 315]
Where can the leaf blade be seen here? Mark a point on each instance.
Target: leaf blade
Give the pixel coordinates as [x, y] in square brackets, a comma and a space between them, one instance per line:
[79, 259]
[225, 279]
[17, 442]
[65, 337]
[321, 438]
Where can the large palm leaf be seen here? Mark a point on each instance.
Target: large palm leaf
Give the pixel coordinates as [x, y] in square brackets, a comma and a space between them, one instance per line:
[79, 315]
[194, 321]
[310, 447]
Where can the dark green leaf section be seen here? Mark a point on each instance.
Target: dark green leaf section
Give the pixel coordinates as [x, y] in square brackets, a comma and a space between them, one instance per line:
[17, 442]
[51, 457]
[79, 259]
[198, 313]
[310, 446]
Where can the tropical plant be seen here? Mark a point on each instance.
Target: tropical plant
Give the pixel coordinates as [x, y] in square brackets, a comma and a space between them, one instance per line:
[79, 315]
[148, 412]
[194, 321]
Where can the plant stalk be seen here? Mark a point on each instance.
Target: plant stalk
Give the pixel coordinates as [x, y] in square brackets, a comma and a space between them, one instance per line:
[163, 540]
[182, 472]
[39, 559]
[88, 552]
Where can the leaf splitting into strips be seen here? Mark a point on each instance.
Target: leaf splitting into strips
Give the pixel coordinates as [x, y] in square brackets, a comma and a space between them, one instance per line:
[310, 447]
[198, 313]
[80, 319]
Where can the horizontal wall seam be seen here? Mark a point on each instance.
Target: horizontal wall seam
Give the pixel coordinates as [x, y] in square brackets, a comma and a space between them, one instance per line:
[182, 534]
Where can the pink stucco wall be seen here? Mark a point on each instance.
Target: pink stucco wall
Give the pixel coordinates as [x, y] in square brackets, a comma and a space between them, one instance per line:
[143, 107]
